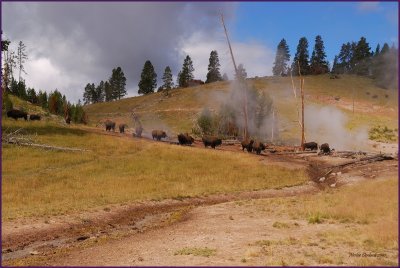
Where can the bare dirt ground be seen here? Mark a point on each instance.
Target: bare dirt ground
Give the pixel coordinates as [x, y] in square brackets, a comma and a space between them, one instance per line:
[230, 225]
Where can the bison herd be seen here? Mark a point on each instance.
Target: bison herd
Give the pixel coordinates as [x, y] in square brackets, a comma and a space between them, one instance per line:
[21, 114]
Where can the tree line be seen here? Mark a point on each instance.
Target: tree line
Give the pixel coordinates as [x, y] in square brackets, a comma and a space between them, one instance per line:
[353, 58]
[54, 102]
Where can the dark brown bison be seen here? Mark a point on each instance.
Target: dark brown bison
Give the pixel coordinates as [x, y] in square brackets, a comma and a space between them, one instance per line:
[110, 125]
[258, 147]
[34, 117]
[311, 145]
[246, 144]
[68, 119]
[185, 139]
[324, 148]
[17, 114]
[122, 128]
[211, 141]
[158, 134]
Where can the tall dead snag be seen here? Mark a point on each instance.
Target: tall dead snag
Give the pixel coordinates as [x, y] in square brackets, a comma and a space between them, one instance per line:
[240, 81]
[302, 107]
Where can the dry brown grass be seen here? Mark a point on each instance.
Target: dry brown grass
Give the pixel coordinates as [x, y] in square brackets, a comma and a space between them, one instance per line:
[116, 170]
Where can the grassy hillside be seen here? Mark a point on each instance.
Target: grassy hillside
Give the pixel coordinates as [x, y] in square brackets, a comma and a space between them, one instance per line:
[373, 106]
[38, 182]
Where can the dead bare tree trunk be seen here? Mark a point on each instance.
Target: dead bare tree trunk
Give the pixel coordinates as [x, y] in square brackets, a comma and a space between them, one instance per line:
[302, 108]
[241, 83]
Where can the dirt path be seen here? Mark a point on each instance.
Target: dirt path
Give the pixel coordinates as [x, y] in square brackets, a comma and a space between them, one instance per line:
[150, 232]
[234, 233]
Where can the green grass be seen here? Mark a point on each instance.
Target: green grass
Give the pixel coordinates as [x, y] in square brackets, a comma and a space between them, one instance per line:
[39, 182]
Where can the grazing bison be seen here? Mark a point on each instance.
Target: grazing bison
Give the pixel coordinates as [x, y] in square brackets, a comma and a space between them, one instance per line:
[324, 148]
[110, 125]
[185, 139]
[34, 117]
[311, 145]
[258, 147]
[248, 145]
[211, 141]
[122, 128]
[68, 120]
[17, 114]
[158, 134]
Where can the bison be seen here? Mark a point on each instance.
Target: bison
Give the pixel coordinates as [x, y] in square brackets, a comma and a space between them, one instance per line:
[34, 117]
[311, 145]
[68, 119]
[110, 125]
[185, 139]
[324, 148]
[258, 147]
[17, 114]
[158, 134]
[248, 145]
[122, 128]
[211, 141]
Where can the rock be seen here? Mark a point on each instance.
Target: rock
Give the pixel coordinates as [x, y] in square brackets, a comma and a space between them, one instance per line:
[333, 185]
[322, 179]
[81, 238]
[339, 173]
[34, 253]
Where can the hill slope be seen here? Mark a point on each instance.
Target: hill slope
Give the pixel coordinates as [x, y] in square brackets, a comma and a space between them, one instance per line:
[328, 102]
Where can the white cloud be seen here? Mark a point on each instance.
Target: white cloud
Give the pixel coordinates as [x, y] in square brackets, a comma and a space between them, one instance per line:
[256, 57]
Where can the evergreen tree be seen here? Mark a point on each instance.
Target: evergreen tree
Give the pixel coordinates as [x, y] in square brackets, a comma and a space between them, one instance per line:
[361, 57]
[99, 93]
[225, 77]
[345, 57]
[335, 67]
[377, 50]
[301, 58]
[241, 73]
[148, 79]
[213, 74]
[319, 65]
[186, 74]
[117, 82]
[31, 95]
[89, 94]
[108, 91]
[282, 58]
[167, 79]
[42, 99]
[56, 103]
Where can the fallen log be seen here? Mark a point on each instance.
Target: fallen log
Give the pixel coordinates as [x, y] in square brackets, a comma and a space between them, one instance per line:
[50, 147]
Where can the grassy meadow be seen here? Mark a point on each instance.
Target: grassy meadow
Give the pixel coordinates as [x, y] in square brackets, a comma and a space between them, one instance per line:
[39, 182]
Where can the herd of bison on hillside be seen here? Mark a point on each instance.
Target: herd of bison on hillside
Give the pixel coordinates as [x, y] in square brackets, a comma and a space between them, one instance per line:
[212, 141]
[183, 139]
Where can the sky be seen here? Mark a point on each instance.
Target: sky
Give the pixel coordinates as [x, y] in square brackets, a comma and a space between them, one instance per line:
[72, 44]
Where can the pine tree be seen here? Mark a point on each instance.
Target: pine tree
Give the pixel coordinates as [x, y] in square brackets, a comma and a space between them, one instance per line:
[335, 67]
[42, 99]
[345, 58]
[377, 50]
[148, 79]
[282, 58]
[319, 65]
[186, 74]
[225, 77]
[89, 94]
[301, 58]
[167, 79]
[362, 57]
[117, 82]
[213, 74]
[31, 95]
[108, 91]
[99, 93]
